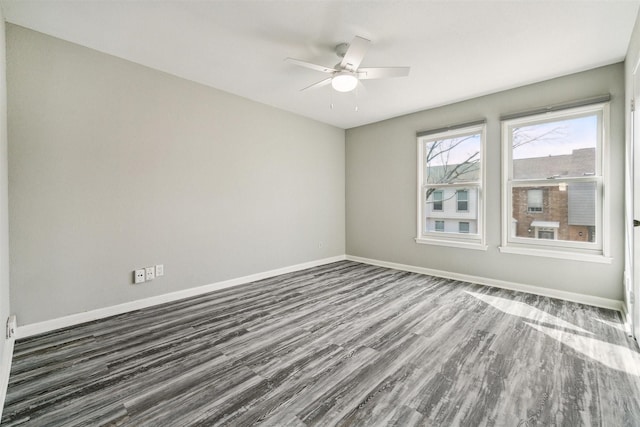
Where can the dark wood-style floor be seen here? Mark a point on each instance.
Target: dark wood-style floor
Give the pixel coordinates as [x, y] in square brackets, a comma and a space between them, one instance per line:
[341, 344]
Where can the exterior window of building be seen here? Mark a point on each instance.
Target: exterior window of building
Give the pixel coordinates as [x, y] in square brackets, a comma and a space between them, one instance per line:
[546, 234]
[437, 201]
[553, 177]
[463, 200]
[450, 187]
[534, 200]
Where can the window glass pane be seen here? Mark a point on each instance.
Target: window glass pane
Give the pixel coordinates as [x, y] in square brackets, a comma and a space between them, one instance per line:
[463, 227]
[449, 200]
[562, 148]
[439, 226]
[452, 160]
[568, 213]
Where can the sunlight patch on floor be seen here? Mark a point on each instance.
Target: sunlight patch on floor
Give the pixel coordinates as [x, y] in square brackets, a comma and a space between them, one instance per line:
[617, 325]
[520, 309]
[611, 355]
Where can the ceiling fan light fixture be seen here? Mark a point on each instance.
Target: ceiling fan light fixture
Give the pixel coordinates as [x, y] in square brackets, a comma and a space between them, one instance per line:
[344, 81]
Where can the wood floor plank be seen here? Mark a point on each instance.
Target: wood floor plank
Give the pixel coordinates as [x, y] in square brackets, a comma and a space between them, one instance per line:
[343, 344]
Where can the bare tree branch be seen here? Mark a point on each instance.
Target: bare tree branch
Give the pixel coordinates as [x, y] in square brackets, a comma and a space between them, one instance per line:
[521, 137]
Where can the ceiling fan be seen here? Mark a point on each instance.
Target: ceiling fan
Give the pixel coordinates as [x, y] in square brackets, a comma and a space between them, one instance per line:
[346, 74]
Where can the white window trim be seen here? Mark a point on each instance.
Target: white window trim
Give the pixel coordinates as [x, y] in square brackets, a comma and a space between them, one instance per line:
[549, 253]
[456, 240]
[598, 252]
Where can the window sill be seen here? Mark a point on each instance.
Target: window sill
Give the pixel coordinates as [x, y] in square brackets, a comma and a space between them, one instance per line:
[452, 243]
[548, 253]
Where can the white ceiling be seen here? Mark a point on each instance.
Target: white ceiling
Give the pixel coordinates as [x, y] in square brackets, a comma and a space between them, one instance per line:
[456, 49]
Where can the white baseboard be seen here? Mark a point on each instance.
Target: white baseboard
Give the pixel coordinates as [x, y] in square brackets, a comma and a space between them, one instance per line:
[5, 370]
[530, 289]
[101, 313]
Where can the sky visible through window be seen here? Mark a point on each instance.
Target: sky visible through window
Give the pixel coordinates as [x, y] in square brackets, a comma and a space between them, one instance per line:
[454, 151]
[537, 140]
[555, 138]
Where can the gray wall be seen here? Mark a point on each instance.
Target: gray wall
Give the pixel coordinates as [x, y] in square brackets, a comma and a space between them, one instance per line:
[5, 307]
[114, 166]
[381, 189]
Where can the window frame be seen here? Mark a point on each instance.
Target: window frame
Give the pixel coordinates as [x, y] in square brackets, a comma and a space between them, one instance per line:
[453, 239]
[583, 251]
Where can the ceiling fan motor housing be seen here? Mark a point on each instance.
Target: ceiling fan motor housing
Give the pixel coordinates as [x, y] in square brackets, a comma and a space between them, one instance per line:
[341, 49]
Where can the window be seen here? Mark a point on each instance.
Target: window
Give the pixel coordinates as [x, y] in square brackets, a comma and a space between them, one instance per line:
[534, 200]
[437, 200]
[463, 204]
[553, 178]
[546, 234]
[450, 185]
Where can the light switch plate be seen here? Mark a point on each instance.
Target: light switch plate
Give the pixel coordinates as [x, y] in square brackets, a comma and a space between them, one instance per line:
[151, 273]
[159, 270]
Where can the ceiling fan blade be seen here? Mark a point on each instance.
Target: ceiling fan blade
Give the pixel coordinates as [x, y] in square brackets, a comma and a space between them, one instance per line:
[318, 84]
[305, 64]
[355, 53]
[382, 72]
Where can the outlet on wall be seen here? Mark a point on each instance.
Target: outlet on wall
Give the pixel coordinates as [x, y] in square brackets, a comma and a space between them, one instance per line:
[139, 276]
[151, 273]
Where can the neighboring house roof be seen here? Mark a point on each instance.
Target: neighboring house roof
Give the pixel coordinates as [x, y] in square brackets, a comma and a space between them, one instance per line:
[453, 173]
[580, 162]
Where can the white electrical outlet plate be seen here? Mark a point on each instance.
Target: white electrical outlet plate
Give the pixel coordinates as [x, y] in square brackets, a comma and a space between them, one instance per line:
[151, 273]
[159, 270]
[139, 276]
